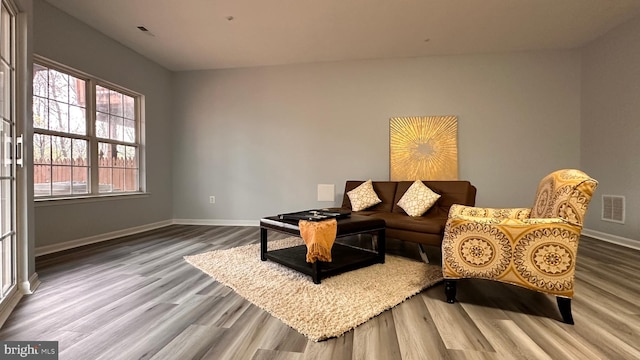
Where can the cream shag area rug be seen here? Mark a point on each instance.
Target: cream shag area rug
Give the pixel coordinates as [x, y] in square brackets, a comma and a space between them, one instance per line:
[319, 312]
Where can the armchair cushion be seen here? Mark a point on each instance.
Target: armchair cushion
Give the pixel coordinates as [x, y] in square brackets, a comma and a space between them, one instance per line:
[510, 221]
[497, 213]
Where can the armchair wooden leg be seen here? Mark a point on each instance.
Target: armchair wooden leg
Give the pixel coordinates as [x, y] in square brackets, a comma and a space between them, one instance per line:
[564, 304]
[450, 290]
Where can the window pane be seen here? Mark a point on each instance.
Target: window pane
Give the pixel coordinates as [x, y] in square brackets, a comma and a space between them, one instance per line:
[118, 179]
[61, 180]
[79, 152]
[131, 180]
[102, 99]
[58, 116]
[58, 86]
[40, 113]
[129, 131]
[129, 108]
[80, 183]
[131, 156]
[77, 89]
[118, 168]
[61, 150]
[40, 80]
[77, 120]
[41, 180]
[120, 155]
[61, 169]
[80, 175]
[115, 103]
[102, 125]
[41, 149]
[105, 180]
[105, 154]
[116, 125]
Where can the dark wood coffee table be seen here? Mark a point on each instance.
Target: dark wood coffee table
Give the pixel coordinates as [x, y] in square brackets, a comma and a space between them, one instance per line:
[344, 257]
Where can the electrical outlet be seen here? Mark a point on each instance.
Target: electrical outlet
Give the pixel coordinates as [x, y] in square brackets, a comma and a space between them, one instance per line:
[212, 199]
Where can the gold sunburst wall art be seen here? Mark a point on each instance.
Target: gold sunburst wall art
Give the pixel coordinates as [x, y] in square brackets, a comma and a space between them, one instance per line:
[423, 148]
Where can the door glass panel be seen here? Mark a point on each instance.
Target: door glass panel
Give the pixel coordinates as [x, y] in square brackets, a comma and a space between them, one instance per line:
[5, 90]
[7, 155]
[5, 149]
[7, 264]
[6, 33]
[5, 206]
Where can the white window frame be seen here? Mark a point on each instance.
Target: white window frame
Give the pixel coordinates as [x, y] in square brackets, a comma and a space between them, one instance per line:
[90, 97]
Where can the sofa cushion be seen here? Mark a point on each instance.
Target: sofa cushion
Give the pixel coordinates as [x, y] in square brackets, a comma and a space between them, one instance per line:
[425, 224]
[417, 199]
[363, 196]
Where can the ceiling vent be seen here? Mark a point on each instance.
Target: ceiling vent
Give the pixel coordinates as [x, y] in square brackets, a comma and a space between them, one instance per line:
[613, 208]
[145, 30]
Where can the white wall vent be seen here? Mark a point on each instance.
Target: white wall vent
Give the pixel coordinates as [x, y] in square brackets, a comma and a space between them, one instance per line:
[613, 208]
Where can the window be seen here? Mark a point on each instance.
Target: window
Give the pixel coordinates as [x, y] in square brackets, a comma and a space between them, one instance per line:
[86, 138]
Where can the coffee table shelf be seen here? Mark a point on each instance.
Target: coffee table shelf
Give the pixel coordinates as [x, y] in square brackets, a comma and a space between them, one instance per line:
[344, 257]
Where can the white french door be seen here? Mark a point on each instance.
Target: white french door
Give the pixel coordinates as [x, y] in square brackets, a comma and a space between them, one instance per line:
[8, 150]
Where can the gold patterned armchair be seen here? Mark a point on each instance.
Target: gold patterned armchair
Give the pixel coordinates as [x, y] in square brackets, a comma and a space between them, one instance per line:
[534, 248]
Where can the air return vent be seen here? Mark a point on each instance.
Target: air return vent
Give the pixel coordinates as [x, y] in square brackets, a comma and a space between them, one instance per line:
[613, 208]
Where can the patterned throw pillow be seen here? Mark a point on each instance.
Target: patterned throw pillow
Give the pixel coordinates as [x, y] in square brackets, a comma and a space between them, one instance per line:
[363, 196]
[418, 199]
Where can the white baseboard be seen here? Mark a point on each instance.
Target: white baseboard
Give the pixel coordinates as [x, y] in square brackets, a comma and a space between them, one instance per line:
[48, 249]
[619, 240]
[9, 303]
[14, 296]
[217, 222]
[30, 286]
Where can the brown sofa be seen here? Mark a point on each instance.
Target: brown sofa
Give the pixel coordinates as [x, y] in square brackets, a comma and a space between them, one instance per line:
[427, 229]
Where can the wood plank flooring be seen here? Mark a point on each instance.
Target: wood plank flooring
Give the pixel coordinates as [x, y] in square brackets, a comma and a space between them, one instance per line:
[136, 298]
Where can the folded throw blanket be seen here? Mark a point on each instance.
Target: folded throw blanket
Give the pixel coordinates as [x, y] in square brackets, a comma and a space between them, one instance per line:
[319, 237]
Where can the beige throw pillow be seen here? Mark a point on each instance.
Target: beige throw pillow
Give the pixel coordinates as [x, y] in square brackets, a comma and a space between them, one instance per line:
[363, 196]
[418, 199]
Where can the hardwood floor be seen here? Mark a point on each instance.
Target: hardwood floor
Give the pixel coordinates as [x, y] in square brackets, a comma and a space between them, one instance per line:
[136, 298]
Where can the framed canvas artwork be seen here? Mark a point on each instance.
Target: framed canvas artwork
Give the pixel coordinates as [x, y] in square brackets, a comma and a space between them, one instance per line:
[423, 148]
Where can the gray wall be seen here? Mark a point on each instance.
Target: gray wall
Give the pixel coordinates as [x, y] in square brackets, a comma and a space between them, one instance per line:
[610, 137]
[261, 139]
[61, 38]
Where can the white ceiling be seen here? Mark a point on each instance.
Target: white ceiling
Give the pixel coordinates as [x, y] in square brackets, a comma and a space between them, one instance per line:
[196, 34]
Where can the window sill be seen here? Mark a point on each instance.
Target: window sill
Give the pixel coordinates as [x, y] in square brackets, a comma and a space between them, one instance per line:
[88, 199]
